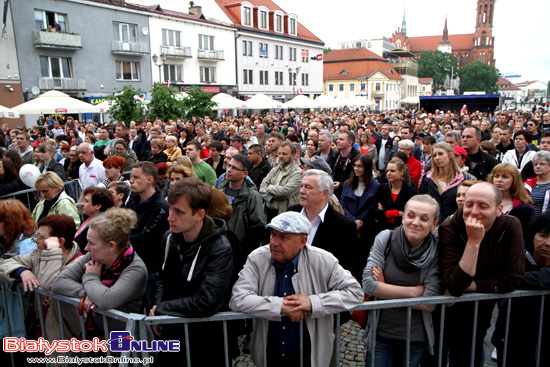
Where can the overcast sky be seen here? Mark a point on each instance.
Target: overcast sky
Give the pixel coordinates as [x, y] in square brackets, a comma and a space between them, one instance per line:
[521, 29]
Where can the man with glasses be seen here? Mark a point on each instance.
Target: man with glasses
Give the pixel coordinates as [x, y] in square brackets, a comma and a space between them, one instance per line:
[533, 127]
[248, 219]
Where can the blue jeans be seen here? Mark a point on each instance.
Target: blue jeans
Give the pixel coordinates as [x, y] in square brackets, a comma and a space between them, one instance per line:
[392, 353]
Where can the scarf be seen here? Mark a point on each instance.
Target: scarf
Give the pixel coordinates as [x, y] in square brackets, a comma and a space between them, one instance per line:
[110, 275]
[409, 259]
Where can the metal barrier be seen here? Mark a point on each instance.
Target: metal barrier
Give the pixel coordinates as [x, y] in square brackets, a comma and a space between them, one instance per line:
[138, 323]
[72, 188]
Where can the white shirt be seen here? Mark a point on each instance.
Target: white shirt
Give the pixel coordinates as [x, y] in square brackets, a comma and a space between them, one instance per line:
[315, 223]
[91, 175]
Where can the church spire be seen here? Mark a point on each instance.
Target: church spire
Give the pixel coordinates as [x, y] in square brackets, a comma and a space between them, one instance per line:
[404, 24]
[445, 31]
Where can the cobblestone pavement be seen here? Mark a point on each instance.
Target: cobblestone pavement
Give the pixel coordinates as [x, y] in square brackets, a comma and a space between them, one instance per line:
[352, 348]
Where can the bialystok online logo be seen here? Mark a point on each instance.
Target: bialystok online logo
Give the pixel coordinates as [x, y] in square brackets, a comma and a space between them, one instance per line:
[120, 341]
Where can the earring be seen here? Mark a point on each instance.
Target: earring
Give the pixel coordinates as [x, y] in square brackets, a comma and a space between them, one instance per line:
[110, 253]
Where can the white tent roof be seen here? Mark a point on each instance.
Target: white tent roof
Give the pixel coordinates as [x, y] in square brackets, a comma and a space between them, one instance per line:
[261, 101]
[360, 101]
[411, 100]
[226, 102]
[8, 113]
[325, 101]
[301, 101]
[55, 102]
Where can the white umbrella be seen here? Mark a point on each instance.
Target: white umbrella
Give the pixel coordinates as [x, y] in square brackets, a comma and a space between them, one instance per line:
[180, 95]
[260, 102]
[8, 113]
[301, 101]
[360, 101]
[342, 101]
[226, 102]
[411, 100]
[55, 102]
[324, 101]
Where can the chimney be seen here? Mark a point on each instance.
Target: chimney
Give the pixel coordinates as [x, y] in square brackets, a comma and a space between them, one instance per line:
[194, 9]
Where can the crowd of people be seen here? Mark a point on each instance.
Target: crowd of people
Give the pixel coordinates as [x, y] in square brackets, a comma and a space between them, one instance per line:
[283, 216]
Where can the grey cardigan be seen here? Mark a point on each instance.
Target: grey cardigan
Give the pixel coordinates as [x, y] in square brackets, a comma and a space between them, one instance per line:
[429, 277]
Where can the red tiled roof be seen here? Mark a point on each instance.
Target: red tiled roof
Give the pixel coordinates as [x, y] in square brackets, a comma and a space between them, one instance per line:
[425, 80]
[349, 54]
[233, 10]
[505, 84]
[430, 43]
[366, 68]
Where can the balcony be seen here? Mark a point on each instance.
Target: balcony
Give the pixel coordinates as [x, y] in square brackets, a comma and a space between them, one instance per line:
[130, 48]
[68, 84]
[173, 51]
[210, 55]
[59, 40]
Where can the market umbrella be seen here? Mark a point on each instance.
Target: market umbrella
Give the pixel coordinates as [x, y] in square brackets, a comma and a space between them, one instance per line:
[360, 101]
[325, 101]
[301, 101]
[8, 113]
[226, 102]
[55, 102]
[260, 102]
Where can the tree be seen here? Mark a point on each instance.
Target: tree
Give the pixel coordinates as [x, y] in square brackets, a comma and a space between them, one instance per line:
[478, 76]
[326, 50]
[437, 65]
[198, 103]
[165, 103]
[126, 105]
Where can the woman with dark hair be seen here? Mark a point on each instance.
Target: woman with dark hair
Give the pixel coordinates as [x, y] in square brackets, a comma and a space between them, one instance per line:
[55, 251]
[96, 203]
[311, 147]
[121, 150]
[367, 147]
[9, 181]
[390, 198]
[75, 139]
[13, 156]
[521, 154]
[156, 155]
[358, 192]
[111, 274]
[72, 165]
[525, 312]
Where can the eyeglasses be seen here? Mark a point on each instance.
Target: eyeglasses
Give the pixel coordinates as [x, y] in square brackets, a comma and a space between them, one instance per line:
[37, 237]
[530, 124]
[235, 168]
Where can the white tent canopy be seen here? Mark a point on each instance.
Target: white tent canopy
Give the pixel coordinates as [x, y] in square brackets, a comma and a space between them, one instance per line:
[411, 100]
[301, 101]
[226, 102]
[325, 101]
[360, 101]
[55, 102]
[260, 102]
[8, 113]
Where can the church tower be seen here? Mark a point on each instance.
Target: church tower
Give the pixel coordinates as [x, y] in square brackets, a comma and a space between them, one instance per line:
[444, 45]
[483, 41]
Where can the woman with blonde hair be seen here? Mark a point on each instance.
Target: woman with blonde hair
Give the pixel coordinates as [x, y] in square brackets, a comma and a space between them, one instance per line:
[367, 147]
[172, 150]
[443, 180]
[186, 162]
[54, 199]
[515, 198]
[111, 275]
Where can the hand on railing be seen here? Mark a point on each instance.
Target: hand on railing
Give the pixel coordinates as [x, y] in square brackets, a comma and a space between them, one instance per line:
[296, 306]
[29, 280]
[155, 328]
[89, 305]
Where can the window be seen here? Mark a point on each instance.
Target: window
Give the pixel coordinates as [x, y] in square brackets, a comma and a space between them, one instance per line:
[125, 32]
[171, 38]
[305, 79]
[352, 87]
[246, 16]
[305, 56]
[278, 52]
[55, 67]
[292, 53]
[279, 78]
[247, 76]
[278, 23]
[127, 70]
[482, 56]
[263, 50]
[377, 87]
[340, 87]
[44, 19]
[172, 73]
[247, 48]
[263, 19]
[483, 38]
[331, 87]
[208, 74]
[292, 27]
[206, 42]
[264, 78]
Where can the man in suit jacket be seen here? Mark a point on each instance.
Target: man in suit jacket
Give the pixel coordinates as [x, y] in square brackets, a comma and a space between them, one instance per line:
[330, 230]
[135, 142]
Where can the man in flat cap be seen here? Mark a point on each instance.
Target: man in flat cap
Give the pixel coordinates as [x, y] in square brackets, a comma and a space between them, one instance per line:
[287, 282]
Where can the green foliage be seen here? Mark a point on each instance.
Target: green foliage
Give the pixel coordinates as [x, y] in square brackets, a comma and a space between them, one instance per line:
[437, 65]
[326, 50]
[125, 106]
[165, 103]
[478, 76]
[198, 103]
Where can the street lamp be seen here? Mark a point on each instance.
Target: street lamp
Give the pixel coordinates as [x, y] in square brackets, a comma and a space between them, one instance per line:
[156, 59]
[293, 76]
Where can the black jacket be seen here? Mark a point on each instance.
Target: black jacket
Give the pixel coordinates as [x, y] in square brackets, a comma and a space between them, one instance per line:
[331, 158]
[383, 197]
[481, 164]
[337, 234]
[257, 174]
[341, 170]
[157, 158]
[446, 200]
[55, 166]
[195, 281]
[152, 223]
[378, 144]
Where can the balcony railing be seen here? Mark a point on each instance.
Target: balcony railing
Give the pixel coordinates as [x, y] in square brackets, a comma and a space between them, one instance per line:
[214, 55]
[132, 48]
[44, 39]
[173, 51]
[63, 83]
